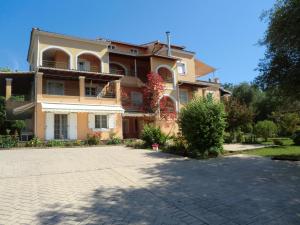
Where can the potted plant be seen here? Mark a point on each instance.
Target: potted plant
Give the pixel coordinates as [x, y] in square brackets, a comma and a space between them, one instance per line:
[155, 147]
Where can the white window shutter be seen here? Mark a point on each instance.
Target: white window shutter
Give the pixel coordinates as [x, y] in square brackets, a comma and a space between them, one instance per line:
[91, 121]
[72, 120]
[49, 123]
[112, 121]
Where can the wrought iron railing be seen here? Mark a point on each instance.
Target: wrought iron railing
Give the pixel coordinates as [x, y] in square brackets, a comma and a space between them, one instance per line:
[94, 69]
[122, 72]
[56, 64]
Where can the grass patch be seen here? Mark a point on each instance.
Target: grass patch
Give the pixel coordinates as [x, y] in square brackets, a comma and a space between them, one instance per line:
[275, 151]
[288, 151]
[286, 141]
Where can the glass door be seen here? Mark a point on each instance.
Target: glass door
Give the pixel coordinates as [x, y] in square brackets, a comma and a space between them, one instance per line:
[60, 126]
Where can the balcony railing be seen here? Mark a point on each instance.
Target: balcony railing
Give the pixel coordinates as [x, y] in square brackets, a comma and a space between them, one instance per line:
[56, 64]
[121, 72]
[94, 69]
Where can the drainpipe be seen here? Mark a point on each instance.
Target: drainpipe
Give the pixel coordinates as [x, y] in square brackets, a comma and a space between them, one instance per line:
[169, 42]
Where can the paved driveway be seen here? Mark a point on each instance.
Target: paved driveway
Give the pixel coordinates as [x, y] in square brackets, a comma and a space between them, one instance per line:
[115, 185]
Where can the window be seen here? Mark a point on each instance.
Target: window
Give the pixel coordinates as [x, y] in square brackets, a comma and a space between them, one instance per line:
[183, 96]
[181, 69]
[112, 47]
[60, 126]
[134, 51]
[55, 88]
[90, 91]
[101, 122]
[83, 65]
[136, 98]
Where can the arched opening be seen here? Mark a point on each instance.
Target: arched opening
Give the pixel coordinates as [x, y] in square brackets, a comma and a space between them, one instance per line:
[116, 68]
[166, 74]
[88, 62]
[56, 58]
[167, 108]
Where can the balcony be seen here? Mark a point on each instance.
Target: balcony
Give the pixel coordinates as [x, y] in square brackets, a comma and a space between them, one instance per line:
[89, 63]
[56, 58]
[166, 74]
[55, 64]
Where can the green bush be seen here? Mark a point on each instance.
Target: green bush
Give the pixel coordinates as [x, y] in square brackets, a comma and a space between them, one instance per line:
[176, 145]
[151, 135]
[18, 98]
[228, 137]
[17, 126]
[55, 143]
[8, 141]
[93, 139]
[296, 138]
[287, 123]
[250, 139]
[240, 137]
[278, 142]
[202, 122]
[135, 143]
[34, 142]
[113, 139]
[265, 129]
[2, 114]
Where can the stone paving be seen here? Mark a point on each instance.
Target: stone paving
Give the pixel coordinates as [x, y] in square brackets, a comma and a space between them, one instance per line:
[116, 185]
[243, 147]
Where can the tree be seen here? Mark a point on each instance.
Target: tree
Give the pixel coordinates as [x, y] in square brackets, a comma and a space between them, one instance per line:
[238, 115]
[5, 69]
[246, 93]
[287, 122]
[202, 123]
[280, 69]
[2, 114]
[265, 129]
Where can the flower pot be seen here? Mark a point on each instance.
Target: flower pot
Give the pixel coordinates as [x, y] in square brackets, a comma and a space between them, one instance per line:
[155, 147]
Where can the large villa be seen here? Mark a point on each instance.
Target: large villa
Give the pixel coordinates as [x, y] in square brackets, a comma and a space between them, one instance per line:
[78, 86]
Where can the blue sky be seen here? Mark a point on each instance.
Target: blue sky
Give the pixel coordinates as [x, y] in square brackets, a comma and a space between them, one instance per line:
[223, 33]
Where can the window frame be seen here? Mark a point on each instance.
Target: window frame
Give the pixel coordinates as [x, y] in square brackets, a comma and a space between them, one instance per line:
[56, 82]
[184, 70]
[180, 96]
[90, 91]
[134, 51]
[136, 93]
[86, 65]
[99, 116]
[111, 47]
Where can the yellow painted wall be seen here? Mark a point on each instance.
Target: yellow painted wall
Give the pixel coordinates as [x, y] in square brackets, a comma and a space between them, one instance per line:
[74, 48]
[82, 125]
[83, 130]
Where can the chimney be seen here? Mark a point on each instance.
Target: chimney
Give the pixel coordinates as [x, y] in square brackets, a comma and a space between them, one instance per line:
[217, 80]
[168, 43]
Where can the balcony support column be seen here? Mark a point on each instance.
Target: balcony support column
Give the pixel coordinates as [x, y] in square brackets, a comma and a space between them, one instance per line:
[39, 85]
[8, 88]
[135, 68]
[81, 88]
[118, 91]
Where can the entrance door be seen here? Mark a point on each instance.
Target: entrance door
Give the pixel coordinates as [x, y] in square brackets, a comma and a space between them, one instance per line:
[126, 128]
[60, 126]
[130, 127]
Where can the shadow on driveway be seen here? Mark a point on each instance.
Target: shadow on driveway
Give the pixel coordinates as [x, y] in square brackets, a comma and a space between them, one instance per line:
[231, 190]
